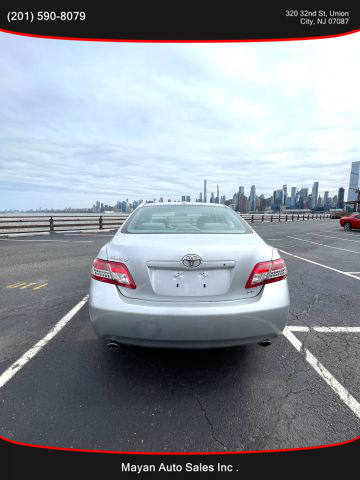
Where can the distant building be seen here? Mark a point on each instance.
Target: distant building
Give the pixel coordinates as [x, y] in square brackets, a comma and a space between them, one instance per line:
[244, 204]
[262, 205]
[252, 198]
[354, 181]
[205, 198]
[314, 195]
[340, 198]
[293, 197]
[237, 198]
[285, 194]
[326, 200]
[278, 199]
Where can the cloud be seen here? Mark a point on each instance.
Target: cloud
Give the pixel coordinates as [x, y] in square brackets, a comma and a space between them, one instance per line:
[87, 121]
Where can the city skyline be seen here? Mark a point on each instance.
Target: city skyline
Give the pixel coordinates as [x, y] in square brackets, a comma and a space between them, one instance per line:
[82, 120]
[281, 199]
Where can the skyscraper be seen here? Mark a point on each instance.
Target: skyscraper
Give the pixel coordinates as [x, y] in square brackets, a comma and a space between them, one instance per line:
[315, 194]
[205, 191]
[326, 199]
[217, 194]
[278, 199]
[252, 198]
[238, 198]
[341, 196]
[354, 181]
[293, 194]
[284, 194]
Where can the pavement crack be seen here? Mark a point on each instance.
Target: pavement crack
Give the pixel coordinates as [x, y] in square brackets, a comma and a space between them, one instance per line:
[306, 311]
[219, 442]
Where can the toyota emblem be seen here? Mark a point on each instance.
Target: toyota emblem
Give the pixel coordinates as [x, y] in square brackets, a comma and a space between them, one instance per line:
[191, 260]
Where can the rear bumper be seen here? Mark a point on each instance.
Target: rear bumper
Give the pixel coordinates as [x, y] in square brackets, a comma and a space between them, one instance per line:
[199, 325]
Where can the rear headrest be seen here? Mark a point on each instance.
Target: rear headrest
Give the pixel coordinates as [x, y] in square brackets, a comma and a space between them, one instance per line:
[215, 226]
[152, 226]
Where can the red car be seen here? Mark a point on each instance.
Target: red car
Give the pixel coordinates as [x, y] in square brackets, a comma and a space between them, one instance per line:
[352, 221]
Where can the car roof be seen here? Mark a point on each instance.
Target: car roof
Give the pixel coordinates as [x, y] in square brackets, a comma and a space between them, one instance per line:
[198, 204]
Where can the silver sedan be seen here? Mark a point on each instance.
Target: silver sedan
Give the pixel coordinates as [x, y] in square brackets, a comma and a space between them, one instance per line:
[188, 275]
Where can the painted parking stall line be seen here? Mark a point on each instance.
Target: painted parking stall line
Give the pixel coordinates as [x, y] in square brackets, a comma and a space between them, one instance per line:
[99, 235]
[323, 244]
[320, 264]
[40, 286]
[337, 329]
[16, 285]
[336, 386]
[27, 356]
[25, 285]
[332, 236]
[300, 328]
[40, 240]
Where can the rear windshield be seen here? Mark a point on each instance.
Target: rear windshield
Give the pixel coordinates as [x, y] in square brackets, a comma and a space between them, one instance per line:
[185, 219]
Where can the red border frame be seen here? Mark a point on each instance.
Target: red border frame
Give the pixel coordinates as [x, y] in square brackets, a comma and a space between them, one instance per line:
[179, 41]
[179, 453]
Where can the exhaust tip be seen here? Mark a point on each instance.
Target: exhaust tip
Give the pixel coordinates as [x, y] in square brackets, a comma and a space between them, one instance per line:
[112, 345]
[265, 343]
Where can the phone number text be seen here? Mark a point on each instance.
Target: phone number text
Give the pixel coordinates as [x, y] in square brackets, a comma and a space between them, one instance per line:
[44, 16]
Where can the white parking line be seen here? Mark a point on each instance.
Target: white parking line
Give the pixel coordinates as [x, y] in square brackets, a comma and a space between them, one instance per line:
[331, 236]
[341, 391]
[38, 240]
[24, 359]
[337, 329]
[323, 244]
[89, 234]
[297, 328]
[320, 264]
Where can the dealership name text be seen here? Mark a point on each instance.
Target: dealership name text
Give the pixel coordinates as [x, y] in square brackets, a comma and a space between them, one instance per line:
[163, 467]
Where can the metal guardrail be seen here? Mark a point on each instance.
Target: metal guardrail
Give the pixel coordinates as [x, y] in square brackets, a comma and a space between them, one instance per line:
[59, 223]
[266, 217]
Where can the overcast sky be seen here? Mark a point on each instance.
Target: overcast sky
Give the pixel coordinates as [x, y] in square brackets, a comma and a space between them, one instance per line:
[87, 121]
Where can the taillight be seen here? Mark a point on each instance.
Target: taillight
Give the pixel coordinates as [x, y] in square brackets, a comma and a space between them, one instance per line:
[112, 272]
[267, 272]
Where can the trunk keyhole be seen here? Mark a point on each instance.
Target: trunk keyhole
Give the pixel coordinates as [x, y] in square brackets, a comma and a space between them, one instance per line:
[204, 285]
[177, 285]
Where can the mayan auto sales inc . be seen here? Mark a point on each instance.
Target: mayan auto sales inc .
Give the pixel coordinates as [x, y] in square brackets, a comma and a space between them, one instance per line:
[188, 467]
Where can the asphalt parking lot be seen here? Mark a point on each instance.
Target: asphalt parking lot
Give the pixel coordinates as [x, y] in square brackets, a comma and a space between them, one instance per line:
[65, 389]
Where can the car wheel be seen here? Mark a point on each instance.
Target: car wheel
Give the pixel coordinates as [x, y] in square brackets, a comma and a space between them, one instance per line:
[347, 226]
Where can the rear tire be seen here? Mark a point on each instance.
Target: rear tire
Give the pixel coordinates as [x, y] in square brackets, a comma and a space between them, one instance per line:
[347, 226]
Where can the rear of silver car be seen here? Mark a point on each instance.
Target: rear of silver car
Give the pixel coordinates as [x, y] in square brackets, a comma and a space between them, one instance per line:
[196, 289]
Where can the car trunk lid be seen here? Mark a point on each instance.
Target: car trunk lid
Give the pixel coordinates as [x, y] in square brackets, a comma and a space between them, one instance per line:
[155, 262]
